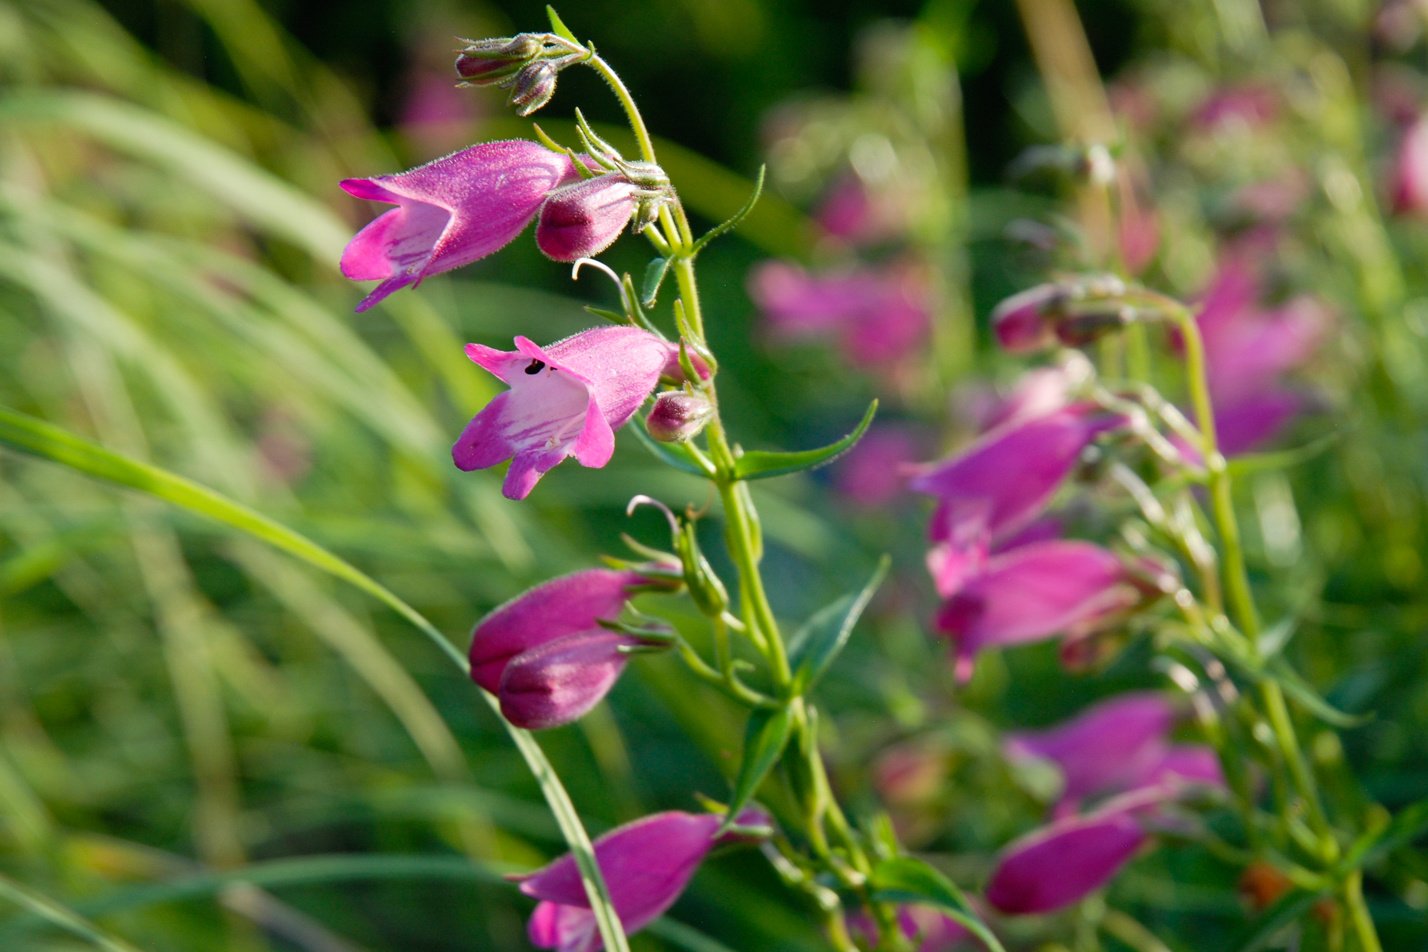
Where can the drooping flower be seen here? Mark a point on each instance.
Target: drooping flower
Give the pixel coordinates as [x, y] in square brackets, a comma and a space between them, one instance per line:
[545, 655]
[566, 399]
[584, 218]
[1004, 480]
[450, 212]
[1033, 592]
[646, 865]
[1056, 865]
[1112, 746]
[1119, 747]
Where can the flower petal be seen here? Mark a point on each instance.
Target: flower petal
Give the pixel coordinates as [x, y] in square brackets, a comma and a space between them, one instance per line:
[562, 606]
[559, 681]
[1056, 865]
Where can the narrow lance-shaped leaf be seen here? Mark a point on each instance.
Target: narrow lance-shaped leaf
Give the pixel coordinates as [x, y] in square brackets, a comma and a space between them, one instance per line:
[764, 464]
[906, 879]
[655, 273]
[814, 646]
[733, 220]
[764, 740]
[558, 27]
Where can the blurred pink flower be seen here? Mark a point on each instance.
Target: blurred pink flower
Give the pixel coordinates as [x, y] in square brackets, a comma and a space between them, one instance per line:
[1248, 106]
[1251, 349]
[646, 866]
[1004, 480]
[875, 471]
[1057, 865]
[933, 930]
[879, 315]
[450, 212]
[565, 400]
[1031, 593]
[1409, 183]
[1120, 746]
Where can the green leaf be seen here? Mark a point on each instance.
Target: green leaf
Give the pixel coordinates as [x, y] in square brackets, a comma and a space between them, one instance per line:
[908, 879]
[1410, 823]
[1299, 689]
[655, 273]
[814, 646]
[764, 464]
[1248, 463]
[764, 739]
[733, 220]
[678, 455]
[558, 27]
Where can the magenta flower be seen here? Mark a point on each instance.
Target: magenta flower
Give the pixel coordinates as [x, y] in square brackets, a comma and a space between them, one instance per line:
[567, 399]
[1113, 746]
[932, 930]
[1033, 592]
[874, 473]
[584, 218]
[450, 212]
[646, 865]
[1120, 746]
[878, 316]
[545, 655]
[1249, 350]
[1004, 480]
[1022, 323]
[1059, 864]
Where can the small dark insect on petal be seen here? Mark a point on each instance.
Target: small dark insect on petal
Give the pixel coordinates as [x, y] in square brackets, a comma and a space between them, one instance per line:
[535, 367]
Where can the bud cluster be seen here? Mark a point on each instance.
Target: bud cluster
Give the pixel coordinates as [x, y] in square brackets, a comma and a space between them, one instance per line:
[527, 64]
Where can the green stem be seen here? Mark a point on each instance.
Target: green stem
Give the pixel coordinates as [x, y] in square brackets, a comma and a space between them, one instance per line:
[1359, 914]
[1236, 575]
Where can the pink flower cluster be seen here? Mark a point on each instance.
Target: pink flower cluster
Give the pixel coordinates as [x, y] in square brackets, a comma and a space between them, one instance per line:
[996, 559]
[1118, 751]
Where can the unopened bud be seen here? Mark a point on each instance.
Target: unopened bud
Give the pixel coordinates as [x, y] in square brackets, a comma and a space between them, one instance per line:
[533, 88]
[677, 416]
[1023, 322]
[488, 62]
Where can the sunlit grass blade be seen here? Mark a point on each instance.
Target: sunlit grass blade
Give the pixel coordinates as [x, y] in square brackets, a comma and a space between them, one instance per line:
[46, 909]
[35, 437]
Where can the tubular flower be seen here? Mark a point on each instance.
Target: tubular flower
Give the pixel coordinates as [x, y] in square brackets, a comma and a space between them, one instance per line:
[566, 399]
[582, 219]
[450, 212]
[646, 865]
[1032, 592]
[545, 655]
[1003, 481]
[1058, 864]
[1121, 747]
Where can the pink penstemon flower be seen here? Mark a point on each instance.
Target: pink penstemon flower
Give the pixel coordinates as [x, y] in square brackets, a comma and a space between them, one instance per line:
[547, 655]
[646, 864]
[1119, 747]
[450, 212]
[565, 400]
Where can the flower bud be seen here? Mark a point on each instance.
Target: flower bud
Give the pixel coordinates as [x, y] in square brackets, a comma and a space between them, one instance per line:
[533, 88]
[488, 62]
[1023, 322]
[677, 416]
[583, 219]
